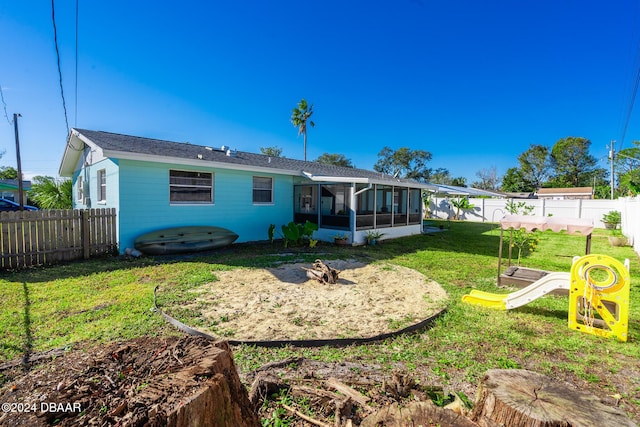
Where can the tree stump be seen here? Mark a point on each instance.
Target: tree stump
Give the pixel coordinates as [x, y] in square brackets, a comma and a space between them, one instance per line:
[516, 397]
[323, 273]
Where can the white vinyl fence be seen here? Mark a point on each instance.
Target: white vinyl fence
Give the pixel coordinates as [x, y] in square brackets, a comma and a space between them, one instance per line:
[492, 210]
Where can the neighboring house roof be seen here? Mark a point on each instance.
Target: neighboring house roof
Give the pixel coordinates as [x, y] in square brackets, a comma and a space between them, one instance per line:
[572, 191]
[120, 146]
[453, 190]
[12, 185]
[520, 195]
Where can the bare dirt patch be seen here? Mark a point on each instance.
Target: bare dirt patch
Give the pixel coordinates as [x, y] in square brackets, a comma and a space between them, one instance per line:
[284, 304]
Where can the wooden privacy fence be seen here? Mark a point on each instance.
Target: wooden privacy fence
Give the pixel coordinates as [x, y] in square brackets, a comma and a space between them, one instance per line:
[50, 236]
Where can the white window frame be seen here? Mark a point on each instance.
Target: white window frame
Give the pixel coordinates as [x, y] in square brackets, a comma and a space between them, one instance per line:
[254, 189]
[80, 194]
[102, 185]
[209, 186]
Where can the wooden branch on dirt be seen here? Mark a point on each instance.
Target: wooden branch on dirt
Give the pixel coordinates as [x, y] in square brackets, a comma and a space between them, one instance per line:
[419, 413]
[400, 385]
[520, 397]
[263, 385]
[280, 364]
[33, 357]
[323, 273]
[344, 408]
[306, 390]
[354, 394]
[305, 417]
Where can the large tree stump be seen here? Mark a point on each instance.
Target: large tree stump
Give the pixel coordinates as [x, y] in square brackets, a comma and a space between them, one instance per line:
[323, 273]
[165, 381]
[516, 397]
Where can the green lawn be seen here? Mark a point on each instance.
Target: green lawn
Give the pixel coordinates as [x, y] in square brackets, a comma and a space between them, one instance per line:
[111, 299]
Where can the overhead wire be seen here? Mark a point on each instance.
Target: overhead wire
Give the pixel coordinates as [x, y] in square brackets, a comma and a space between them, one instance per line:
[55, 41]
[4, 105]
[75, 119]
[635, 67]
[630, 109]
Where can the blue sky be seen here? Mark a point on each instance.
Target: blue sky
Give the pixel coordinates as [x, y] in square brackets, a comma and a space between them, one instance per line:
[473, 82]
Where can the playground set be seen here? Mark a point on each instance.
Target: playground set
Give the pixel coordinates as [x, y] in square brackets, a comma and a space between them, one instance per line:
[598, 285]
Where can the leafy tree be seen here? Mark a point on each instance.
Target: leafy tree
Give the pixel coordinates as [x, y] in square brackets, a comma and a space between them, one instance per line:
[489, 179]
[49, 193]
[271, 151]
[335, 159]
[443, 176]
[535, 166]
[627, 165]
[299, 117]
[8, 172]
[628, 159]
[459, 181]
[404, 163]
[440, 176]
[514, 181]
[600, 183]
[572, 164]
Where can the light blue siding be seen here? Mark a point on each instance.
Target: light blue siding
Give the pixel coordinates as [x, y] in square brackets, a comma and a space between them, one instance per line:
[90, 176]
[144, 202]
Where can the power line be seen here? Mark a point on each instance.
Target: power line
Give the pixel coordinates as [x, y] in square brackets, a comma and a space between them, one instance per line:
[635, 40]
[75, 120]
[630, 109]
[55, 41]
[4, 105]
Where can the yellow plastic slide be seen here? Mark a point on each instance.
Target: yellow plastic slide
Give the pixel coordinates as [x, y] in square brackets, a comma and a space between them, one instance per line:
[486, 299]
[537, 289]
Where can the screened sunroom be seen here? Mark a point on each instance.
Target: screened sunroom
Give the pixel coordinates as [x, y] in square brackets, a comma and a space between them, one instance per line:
[354, 208]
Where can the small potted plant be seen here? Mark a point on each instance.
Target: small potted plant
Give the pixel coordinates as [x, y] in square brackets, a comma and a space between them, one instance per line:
[611, 220]
[617, 238]
[373, 236]
[340, 239]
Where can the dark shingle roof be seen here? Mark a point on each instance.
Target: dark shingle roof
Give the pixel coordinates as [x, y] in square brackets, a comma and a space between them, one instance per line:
[113, 142]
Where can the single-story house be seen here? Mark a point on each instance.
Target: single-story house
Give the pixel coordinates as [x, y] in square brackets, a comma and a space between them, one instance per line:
[565, 193]
[9, 189]
[155, 184]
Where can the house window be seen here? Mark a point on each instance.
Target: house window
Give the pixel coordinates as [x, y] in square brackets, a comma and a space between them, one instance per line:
[190, 187]
[102, 185]
[80, 190]
[262, 190]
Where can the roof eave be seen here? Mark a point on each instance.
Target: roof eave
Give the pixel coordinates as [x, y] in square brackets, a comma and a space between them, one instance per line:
[363, 180]
[72, 153]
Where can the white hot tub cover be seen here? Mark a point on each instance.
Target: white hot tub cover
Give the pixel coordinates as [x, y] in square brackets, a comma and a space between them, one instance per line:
[583, 226]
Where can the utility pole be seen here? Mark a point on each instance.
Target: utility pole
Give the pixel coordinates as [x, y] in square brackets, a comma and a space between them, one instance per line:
[15, 127]
[612, 156]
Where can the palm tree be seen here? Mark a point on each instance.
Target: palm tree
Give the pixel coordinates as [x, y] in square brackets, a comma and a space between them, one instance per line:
[49, 193]
[461, 204]
[299, 117]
